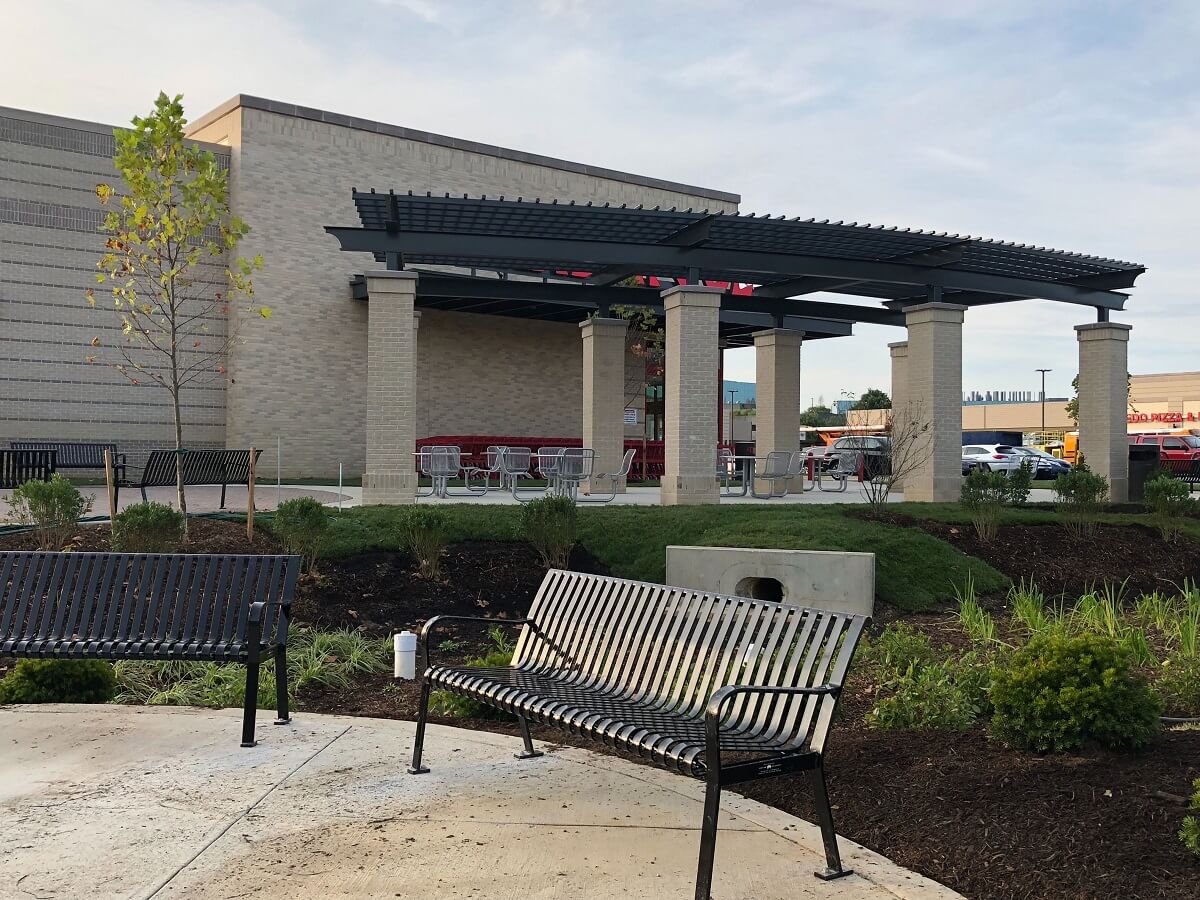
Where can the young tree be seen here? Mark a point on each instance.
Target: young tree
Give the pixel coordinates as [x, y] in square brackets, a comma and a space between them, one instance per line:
[910, 435]
[172, 218]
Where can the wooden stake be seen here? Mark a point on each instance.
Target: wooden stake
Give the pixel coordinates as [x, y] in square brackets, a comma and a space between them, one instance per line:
[108, 481]
[250, 500]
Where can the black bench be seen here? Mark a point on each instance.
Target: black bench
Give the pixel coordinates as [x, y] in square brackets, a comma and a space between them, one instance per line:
[20, 466]
[223, 467]
[219, 608]
[721, 688]
[72, 455]
[1186, 470]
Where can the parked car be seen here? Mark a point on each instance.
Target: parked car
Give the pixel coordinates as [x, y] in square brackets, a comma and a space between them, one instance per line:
[992, 457]
[1171, 446]
[1045, 465]
[849, 452]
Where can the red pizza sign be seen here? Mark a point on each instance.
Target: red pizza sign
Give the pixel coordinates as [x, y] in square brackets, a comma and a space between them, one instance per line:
[1166, 417]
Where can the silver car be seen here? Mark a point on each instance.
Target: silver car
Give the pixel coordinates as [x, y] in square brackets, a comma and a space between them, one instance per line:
[991, 457]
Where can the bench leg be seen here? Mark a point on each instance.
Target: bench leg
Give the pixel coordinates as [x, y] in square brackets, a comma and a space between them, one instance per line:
[529, 752]
[419, 741]
[708, 836]
[222, 495]
[283, 717]
[833, 861]
[250, 708]
[143, 493]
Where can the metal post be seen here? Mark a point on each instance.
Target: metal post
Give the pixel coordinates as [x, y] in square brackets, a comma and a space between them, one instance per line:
[339, 484]
[108, 481]
[729, 437]
[250, 499]
[1043, 371]
[278, 468]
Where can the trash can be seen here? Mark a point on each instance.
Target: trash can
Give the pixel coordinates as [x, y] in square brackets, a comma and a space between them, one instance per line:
[1143, 463]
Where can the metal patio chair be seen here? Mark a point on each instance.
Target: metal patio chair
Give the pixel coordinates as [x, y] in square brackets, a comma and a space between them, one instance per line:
[442, 463]
[844, 467]
[798, 468]
[728, 472]
[514, 465]
[492, 459]
[623, 472]
[575, 465]
[547, 466]
[775, 471]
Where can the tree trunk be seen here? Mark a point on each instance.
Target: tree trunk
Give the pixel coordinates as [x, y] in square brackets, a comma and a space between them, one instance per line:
[179, 495]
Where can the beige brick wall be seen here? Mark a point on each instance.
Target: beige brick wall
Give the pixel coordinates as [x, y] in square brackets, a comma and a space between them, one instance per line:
[604, 392]
[49, 245]
[302, 375]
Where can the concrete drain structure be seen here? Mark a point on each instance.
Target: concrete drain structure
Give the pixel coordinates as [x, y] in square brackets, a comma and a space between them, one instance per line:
[826, 579]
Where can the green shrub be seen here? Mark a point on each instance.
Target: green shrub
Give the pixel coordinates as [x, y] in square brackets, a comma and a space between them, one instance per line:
[59, 681]
[1080, 494]
[1171, 500]
[52, 507]
[331, 658]
[302, 526]
[897, 649]
[1059, 694]
[1019, 482]
[497, 656]
[549, 523]
[423, 532]
[925, 697]
[983, 494]
[1178, 684]
[1189, 832]
[147, 528]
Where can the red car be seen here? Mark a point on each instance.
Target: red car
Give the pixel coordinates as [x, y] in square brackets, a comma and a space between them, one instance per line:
[1171, 446]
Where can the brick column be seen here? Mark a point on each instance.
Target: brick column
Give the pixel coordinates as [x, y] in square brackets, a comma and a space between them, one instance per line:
[900, 412]
[689, 475]
[604, 393]
[777, 367]
[391, 388]
[1104, 403]
[933, 395]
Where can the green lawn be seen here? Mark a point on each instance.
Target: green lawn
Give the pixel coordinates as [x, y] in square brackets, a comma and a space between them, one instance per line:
[913, 570]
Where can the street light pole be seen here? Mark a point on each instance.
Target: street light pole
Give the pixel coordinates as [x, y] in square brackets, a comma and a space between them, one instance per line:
[732, 394]
[1043, 371]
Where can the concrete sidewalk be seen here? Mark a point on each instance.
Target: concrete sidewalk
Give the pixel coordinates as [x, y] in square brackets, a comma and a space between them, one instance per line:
[108, 801]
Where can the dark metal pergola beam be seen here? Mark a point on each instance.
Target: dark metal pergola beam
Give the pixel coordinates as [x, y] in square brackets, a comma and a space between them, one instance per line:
[766, 266]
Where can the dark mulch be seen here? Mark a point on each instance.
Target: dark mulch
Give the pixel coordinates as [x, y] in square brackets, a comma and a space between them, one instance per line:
[204, 536]
[1061, 564]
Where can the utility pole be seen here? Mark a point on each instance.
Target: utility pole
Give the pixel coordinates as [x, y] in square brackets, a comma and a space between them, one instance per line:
[1043, 371]
[732, 394]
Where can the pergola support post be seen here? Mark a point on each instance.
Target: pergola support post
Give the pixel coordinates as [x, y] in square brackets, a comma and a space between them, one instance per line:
[777, 372]
[604, 395]
[900, 406]
[933, 397]
[690, 396]
[1104, 403]
[390, 475]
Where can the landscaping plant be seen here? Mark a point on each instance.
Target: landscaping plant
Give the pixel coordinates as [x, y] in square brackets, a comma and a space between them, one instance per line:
[899, 648]
[549, 524]
[1171, 500]
[59, 681]
[302, 527]
[1018, 483]
[52, 507]
[928, 696]
[1178, 684]
[422, 531]
[147, 528]
[498, 655]
[1080, 493]
[983, 495]
[1062, 693]
[1189, 832]
[975, 620]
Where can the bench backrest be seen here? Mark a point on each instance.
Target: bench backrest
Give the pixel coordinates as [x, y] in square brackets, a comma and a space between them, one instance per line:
[199, 467]
[71, 455]
[19, 466]
[674, 647]
[159, 600]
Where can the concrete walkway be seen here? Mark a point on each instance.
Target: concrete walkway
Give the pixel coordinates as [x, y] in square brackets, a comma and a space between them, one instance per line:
[105, 801]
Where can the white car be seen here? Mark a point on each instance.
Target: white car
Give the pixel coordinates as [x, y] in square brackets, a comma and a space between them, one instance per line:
[991, 457]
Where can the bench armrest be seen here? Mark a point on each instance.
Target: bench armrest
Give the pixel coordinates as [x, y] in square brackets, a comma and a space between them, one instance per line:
[281, 627]
[717, 702]
[430, 626]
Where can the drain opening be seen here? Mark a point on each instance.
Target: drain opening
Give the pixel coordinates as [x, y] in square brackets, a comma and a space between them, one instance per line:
[757, 588]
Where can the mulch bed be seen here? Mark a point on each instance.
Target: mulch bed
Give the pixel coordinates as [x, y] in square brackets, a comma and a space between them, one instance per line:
[204, 536]
[1061, 564]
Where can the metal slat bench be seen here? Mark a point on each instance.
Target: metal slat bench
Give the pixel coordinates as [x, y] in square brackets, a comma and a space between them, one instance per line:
[727, 689]
[223, 467]
[72, 455]
[219, 608]
[19, 466]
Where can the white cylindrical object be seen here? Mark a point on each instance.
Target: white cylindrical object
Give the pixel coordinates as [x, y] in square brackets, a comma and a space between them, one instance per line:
[405, 647]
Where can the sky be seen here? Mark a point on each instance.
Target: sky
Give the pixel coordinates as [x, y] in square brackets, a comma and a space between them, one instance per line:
[1073, 125]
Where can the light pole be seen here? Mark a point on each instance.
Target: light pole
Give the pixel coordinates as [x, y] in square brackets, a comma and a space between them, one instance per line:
[1043, 371]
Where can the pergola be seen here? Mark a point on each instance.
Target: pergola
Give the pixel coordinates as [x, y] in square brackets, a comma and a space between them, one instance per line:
[721, 278]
